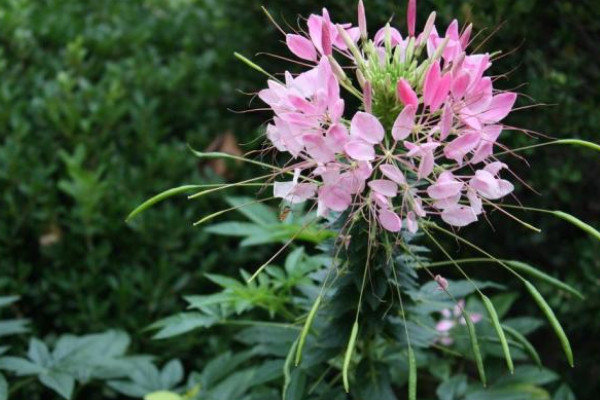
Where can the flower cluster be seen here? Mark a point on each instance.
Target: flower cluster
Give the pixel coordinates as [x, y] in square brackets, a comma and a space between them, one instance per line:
[422, 142]
[452, 318]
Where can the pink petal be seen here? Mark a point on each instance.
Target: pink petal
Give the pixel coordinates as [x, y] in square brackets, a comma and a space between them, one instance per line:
[441, 92]
[393, 172]
[394, 34]
[426, 165]
[366, 127]
[474, 201]
[301, 47]
[406, 94]
[461, 146]
[317, 148]
[459, 216]
[411, 222]
[444, 325]
[452, 31]
[359, 150]
[335, 198]
[460, 84]
[445, 187]
[466, 36]
[475, 317]
[446, 122]
[384, 187]
[336, 138]
[404, 123]
[390, 220]
[326, 39]
[432, 80]
[499, 108]
[442, 282]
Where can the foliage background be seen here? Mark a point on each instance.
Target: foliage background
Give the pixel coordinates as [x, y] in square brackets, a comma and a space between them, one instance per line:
[98, 100]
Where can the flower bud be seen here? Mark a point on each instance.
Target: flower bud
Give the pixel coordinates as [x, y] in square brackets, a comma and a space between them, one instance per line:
[360, 78]
[411, 16]
[326, 34]
[351, 45]
[362, 20]
[337, 69]
[368, 97]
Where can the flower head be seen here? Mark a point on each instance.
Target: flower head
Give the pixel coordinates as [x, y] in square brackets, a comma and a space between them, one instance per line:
[422, 144]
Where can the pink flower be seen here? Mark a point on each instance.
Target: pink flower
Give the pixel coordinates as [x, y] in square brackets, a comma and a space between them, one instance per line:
[452, 318]
[421, 144]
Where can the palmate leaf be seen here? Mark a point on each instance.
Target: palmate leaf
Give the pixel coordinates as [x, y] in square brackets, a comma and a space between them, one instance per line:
[74, 358]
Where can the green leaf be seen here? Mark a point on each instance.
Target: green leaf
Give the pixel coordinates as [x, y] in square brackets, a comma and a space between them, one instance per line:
[503, 302]
[160, 197]
[255, 212]
[558, 329]
[20, 366]
[62, 383]
[181, 323]
[564, 392]
[475, 346]
[489, 306]
[529, 374]
[238, 229]
[163, 395]
[7, 300]
[225, 281]
[453, 389]
[38, 353]
[13, 327]
[171, 374]
[512, 392]
[3, 388]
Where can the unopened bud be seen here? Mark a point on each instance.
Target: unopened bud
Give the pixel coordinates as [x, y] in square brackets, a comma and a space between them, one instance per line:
[362, 20]
[360, 78]
[326, 34]
[368, 97]
[411, 16]
[351, 45]
[337, 69]
[440, 49]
